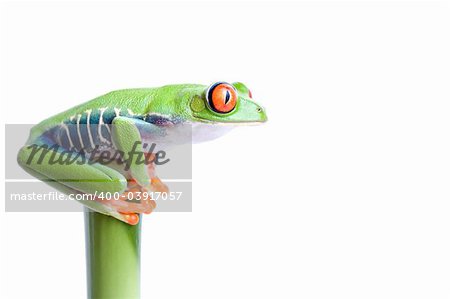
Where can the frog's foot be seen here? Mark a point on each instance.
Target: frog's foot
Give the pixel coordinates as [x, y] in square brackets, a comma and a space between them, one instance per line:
[130, 202]
[135, 200]
[158, 186]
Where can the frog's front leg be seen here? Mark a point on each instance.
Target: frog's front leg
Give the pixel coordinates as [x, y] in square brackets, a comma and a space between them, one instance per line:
[126, 135]
[127, 139]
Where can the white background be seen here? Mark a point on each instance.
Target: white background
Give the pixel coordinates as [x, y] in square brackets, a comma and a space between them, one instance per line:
[344, 193]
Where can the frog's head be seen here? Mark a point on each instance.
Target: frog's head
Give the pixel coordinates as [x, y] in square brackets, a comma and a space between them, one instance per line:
[226, 103]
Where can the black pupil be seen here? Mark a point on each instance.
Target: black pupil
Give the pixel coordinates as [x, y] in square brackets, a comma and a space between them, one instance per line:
[227, 97]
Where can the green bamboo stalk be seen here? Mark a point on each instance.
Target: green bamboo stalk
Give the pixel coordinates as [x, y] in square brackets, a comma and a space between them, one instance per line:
[113, 257]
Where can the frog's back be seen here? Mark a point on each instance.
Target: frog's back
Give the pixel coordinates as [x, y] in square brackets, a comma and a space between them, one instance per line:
[123, 102]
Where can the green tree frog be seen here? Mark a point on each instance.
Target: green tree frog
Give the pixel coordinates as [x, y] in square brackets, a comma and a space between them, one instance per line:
[123, 121]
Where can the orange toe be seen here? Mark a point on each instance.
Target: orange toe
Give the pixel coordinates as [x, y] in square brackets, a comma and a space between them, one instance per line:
[132, 218]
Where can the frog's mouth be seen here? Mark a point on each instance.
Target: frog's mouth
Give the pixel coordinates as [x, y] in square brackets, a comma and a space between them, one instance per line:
[226, 123]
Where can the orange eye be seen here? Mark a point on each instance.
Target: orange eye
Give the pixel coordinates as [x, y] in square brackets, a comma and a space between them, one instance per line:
[222, 97]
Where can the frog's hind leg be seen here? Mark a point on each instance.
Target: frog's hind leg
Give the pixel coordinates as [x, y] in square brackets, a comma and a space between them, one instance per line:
[78, 176]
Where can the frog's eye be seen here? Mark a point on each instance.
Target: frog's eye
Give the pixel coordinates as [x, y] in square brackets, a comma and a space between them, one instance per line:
[250, 94]
[221, 97]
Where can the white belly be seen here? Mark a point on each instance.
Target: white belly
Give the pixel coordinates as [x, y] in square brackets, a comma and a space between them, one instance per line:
[188, 133]
[204, 132]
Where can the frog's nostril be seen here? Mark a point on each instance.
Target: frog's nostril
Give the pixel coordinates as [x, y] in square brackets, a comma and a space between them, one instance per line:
[259, 109]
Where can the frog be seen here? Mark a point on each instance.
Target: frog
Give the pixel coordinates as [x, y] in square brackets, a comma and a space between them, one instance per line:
[125, 121]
